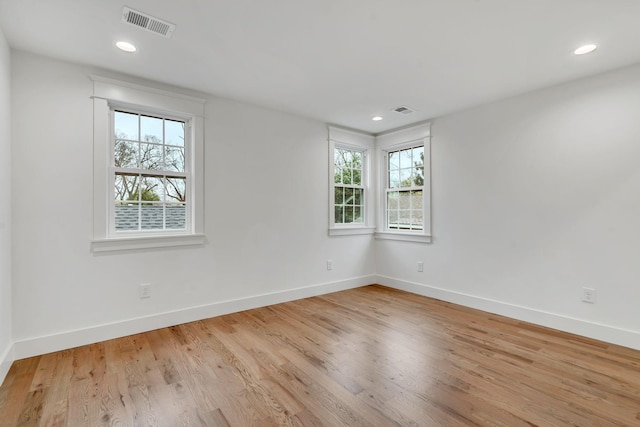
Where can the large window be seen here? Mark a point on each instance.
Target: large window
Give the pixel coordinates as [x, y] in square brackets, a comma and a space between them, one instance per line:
[404, 190]
[150, 175]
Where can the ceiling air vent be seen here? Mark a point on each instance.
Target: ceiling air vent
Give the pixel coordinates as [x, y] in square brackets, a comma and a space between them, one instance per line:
[147, 22]
[403, 110]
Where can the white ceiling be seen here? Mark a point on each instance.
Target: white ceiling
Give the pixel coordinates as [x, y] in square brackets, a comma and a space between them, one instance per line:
[341, 61]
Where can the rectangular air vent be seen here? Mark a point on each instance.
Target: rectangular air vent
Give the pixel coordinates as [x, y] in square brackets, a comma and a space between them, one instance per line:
[147, 22]
[403, 109]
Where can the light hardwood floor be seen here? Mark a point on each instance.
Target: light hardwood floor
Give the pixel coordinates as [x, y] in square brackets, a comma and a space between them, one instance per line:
[371, 356]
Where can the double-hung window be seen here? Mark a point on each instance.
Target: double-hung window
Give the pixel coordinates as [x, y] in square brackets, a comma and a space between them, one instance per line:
[349, 197]
[405, 184]
[351, 200]
[150, 173]
[148, 161]
[404, 201]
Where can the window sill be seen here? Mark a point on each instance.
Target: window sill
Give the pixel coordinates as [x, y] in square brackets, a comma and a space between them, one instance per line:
[132, 243]
[404, 237]
[348, 231]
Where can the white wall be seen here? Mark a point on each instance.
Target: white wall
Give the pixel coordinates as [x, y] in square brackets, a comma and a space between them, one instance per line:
[534, 198]
[266, 184]
[6, 338]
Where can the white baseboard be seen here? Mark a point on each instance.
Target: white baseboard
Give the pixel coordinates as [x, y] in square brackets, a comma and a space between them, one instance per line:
[69, 339]
[598, 331]
[6, 359]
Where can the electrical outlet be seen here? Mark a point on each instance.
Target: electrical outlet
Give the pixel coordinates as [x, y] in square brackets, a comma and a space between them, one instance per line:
[144, 290]
[329, 264]
[420, 266]
[589, 295]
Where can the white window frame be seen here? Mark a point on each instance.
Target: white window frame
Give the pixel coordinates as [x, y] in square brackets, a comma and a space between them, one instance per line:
[398, 140]
[112, 94]
[363, 143]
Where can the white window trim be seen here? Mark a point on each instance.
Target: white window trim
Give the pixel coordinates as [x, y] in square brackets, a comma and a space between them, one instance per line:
[356, 141]
[107, 92]
[398, 140]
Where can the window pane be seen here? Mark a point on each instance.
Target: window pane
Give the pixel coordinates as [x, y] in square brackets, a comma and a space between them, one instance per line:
[338, 158]
[404, 200]
[394, 160]
[126, 125]
[356, 165]
[416, 219]
[392, 200]
[176, 216]
[151, 129]
[357, 177]
[152, 189]
[347, 157]
[348, 196]
[356, 158]
[392, 219]
[418, 178]
[126, 187]
[394, 179]
[418, 156]
[127, 216]
[346, 176]
[174, 132]
[404, 219]
[357, 214]
[416, 199]
[405, 158]
[177, 189]
[151, 156]
[339, 195]
[338, 212]
[358, 196]
[348, 214]
[337, 177]
[405, 177]
[152, 217]
[174, 159]
[125, 154]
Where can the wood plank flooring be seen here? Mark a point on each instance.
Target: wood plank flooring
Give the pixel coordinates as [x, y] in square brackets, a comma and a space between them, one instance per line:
[371, 356]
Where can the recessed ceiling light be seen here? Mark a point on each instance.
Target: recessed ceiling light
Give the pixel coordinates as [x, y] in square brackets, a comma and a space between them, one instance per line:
[376, 118]
[126, 46]
[583, 50]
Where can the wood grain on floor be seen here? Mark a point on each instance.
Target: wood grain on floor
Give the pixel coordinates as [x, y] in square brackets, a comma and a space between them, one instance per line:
[371, 356]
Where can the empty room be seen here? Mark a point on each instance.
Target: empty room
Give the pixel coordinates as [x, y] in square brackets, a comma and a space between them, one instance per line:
[319, 213]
